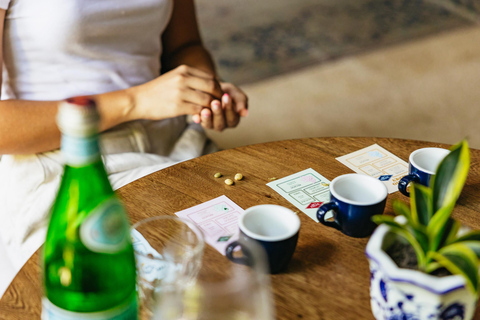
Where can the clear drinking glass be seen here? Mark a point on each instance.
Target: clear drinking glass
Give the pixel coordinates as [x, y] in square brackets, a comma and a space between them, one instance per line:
[222, 290]
[168, 254]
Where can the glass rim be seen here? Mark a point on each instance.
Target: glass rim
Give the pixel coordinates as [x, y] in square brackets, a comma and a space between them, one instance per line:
[200, 236]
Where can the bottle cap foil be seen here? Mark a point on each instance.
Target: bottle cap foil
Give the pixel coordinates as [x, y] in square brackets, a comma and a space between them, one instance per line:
[78, 116]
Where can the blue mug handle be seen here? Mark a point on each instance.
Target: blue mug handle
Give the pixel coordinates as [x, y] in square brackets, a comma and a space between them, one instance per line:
[245, 259]
[402, 185]
[322, 211]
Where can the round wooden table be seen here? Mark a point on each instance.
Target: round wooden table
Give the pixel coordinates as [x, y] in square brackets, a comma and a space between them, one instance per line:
[328, 277]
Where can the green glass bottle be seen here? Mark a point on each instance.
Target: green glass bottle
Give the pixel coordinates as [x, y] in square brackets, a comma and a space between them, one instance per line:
[88, 260]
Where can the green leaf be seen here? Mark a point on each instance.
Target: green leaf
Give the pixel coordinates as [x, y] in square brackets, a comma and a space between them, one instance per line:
[474, 246]
[448, 181]
[421, 236]
[470, 239]
[459, 259]
[446, 232]
[401, 208]
[432, 266]
[421, 204]
[417, 230]
[438, 226]
[450, 235]
[388, 220]
[400, 230]
[470, 236]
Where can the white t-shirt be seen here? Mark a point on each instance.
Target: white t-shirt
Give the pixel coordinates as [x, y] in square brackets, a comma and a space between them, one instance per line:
[54, 49]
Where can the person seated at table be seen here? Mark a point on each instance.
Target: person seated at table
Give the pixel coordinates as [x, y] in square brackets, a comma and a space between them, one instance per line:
[144, 63]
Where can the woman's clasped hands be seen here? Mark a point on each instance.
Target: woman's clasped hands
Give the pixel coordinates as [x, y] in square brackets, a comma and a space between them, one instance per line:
[190, 91]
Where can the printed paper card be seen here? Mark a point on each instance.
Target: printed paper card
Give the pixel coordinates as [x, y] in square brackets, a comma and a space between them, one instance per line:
[379, 163]
[306, 190]
[218, 220]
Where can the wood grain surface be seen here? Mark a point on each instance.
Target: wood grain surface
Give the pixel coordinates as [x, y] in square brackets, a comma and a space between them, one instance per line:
[328, 277]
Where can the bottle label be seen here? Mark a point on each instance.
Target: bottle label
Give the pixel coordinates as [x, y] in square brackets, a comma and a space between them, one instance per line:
[123, 312]
[106, 229]
[79, 151]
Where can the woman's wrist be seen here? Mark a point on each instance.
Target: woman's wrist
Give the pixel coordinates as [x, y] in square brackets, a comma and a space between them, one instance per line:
[117, 107]
[130, 109]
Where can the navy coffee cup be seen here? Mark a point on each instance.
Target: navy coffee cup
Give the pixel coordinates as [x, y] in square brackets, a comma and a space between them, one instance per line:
[273, 227]
[354, 199]
[422, 166]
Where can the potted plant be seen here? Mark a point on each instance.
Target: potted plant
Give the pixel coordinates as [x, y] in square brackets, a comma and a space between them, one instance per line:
[423, 264]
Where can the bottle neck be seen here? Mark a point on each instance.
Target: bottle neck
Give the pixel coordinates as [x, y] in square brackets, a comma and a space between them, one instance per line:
[80, 151]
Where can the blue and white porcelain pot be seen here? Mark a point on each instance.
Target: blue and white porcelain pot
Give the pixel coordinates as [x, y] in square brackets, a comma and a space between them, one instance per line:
[397, 293]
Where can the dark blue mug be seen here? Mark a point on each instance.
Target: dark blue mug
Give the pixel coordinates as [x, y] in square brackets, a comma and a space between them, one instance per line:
[274, 228]
[354, 199]
[423, 164]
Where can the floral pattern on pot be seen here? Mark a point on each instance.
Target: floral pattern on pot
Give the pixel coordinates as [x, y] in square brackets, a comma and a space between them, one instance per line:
[388, 301]
[405, 294]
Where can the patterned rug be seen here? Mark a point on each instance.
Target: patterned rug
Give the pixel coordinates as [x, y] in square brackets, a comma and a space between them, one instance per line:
[252, 40]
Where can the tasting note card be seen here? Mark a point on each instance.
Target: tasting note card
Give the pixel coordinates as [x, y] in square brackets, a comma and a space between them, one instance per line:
[218, 220]
[306, 190]
[379, 163]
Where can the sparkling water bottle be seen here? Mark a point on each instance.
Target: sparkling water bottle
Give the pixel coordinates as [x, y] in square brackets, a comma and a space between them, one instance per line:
[88, 259]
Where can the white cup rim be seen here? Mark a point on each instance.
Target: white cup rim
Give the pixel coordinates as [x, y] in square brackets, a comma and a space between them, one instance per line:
[415, 153]
[287, 214]
[379, 184]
